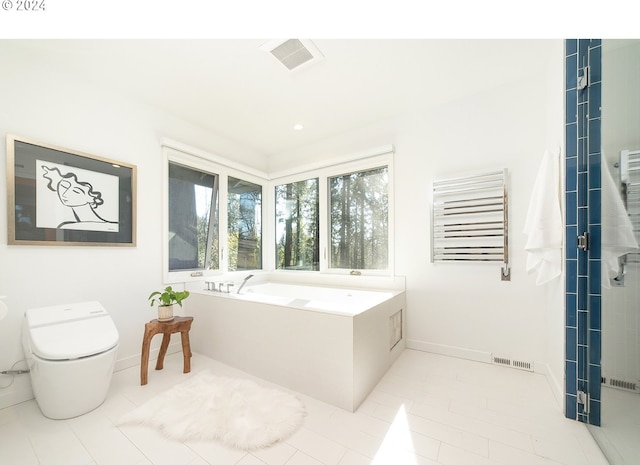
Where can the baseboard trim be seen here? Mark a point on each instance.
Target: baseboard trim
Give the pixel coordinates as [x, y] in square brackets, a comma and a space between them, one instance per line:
[451, 351]
[133, 360]
[556, 387]
[15, 397]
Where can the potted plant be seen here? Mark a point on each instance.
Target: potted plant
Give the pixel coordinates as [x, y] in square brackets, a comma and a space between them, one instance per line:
[166, 300]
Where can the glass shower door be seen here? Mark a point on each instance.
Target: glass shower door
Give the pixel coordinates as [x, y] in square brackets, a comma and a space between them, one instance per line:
[619, 338]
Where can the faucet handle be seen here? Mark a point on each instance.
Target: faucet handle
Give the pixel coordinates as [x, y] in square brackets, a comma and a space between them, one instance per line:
[229, 285]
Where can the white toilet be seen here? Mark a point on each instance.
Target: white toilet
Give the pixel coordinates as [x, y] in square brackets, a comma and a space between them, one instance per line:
[71, 351]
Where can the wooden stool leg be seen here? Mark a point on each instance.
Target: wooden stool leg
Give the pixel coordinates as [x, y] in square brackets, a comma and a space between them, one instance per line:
[186, 351]
[146, 342]
[166, 337]
[179, 324]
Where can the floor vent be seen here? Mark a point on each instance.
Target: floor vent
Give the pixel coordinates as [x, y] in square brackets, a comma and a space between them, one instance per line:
[507, 362]
[620, 384]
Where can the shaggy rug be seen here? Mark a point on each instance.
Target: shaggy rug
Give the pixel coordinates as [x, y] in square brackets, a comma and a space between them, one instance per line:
[238, 412]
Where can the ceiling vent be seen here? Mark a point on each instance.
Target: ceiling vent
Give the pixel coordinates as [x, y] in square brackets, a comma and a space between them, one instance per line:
[293, 53]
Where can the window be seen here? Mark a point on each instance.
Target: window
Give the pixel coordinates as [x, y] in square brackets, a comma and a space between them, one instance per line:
[213, 220]
[359, 229]
[335, 222]
[192, 216]
[297, 226]
[244, 219]
[331, 218]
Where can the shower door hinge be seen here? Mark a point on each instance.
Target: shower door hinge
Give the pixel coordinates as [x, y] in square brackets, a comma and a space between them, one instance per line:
[583, 241]
[583, 398]
[583, 81]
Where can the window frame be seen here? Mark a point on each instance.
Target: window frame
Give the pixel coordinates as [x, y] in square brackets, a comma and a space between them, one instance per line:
[274, 185]
[324, 174]
[207, 162]
[220, 167]
[212, 216]
[263, 187]
[368, 271]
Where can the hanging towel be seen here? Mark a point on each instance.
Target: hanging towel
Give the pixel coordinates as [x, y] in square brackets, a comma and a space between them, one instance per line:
[617, 238]
[543, 225]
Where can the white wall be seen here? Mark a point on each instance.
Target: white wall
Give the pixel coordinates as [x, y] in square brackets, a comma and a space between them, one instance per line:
[43, 103]
[465, 309]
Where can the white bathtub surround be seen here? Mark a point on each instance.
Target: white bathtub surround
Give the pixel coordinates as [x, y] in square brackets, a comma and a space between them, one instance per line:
[333, 344]
[238, 412]
[343, 281]
[338, 301]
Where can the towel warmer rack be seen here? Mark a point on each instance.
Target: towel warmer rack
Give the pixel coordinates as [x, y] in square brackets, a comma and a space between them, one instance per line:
[469, 218]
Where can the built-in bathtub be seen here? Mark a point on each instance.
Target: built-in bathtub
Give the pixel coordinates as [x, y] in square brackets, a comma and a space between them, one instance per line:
[331, 343]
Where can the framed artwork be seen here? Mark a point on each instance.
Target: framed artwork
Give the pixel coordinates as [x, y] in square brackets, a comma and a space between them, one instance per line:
[58, 196]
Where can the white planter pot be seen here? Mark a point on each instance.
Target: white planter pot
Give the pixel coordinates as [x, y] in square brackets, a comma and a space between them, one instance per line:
[165, 312]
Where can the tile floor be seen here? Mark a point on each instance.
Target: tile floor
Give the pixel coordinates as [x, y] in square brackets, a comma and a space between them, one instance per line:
[618, 437]
[428, 409]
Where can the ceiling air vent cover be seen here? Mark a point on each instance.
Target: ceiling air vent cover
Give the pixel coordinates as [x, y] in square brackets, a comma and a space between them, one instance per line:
[293, 53]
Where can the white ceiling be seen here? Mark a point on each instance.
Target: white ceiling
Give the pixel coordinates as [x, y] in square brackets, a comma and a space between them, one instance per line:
[239, 91]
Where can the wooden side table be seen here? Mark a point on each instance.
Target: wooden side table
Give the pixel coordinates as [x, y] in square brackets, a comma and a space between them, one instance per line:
[179, 324]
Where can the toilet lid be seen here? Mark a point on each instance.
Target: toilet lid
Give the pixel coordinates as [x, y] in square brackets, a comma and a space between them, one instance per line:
[74, 339]
[70, 331]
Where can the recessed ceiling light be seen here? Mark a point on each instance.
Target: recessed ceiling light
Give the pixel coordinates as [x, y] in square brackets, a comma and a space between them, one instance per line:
[298, 127]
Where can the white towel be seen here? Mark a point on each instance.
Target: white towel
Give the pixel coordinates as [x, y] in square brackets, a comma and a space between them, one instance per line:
[617, 231]
[543, 224]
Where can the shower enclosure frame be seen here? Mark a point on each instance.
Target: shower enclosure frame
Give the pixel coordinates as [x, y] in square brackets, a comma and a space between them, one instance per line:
[583, 298]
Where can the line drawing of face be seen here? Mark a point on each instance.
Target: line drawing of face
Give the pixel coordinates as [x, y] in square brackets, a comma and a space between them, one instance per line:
[71, 191]
[75, 194]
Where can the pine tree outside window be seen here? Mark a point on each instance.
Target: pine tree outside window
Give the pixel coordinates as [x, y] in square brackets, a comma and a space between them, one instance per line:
[297, 226]
[359, 226]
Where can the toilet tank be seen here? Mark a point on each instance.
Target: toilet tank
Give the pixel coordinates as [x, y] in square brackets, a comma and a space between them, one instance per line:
[67, 332]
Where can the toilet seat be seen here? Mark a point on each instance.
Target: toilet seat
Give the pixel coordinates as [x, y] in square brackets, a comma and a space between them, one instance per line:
[74, 340]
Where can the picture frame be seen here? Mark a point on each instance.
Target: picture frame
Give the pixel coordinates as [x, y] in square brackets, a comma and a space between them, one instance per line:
[59, 196]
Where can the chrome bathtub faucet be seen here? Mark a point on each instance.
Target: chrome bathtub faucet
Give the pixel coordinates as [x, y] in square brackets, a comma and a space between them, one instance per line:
[244, 282]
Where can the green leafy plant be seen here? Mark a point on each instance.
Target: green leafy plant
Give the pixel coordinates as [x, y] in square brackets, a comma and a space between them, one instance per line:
[168, 297]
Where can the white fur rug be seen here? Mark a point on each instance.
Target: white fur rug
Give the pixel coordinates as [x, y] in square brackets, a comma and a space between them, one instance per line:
[239, 412]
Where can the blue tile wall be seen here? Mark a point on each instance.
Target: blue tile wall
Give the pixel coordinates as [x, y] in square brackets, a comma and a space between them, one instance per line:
[582, 193]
